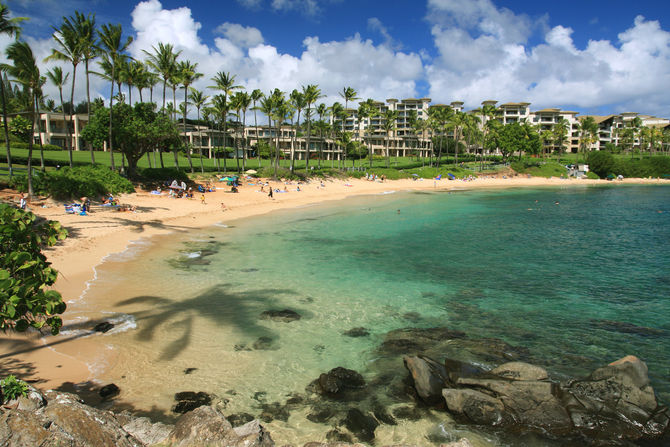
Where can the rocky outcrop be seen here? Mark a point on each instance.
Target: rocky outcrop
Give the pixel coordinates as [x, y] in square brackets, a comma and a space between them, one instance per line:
[283, 316]
[61, 419]
[337, 381]
[615, 402]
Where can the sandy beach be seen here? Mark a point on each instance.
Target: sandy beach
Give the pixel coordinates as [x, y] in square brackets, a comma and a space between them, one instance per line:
[61, 361]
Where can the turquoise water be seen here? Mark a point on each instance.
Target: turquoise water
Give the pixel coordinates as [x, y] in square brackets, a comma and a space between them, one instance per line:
[580, 283]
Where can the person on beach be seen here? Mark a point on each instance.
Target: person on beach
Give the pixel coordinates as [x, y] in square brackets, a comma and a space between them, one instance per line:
[22, 202]
[270, 193]
[202, 199]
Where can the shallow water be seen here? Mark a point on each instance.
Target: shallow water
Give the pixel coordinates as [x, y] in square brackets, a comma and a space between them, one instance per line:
[579, 283]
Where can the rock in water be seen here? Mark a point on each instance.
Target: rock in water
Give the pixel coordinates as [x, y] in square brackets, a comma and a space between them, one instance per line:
[361, 425]
[357, 332]
[338, 380]
[285, 316]
[190, 400]
[429, 378]
[103, 327]
[109, 391]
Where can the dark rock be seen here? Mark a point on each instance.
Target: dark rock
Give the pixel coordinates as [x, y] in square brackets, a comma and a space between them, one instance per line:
[252, 434]
[109, 391]
[429, 378]
[103, 327]
[273, 411]
[414, 317]
[382, 415]
[241, 347]
[285, 316]
[190, 370]
[265, 344]
[335, 435]
[456, 369]
[361, 425]
[190, 400]
[239, 419]
[338, 380]
[616, 401]
[321, 414]
[357, 332]
[259, 396]
[412, 341]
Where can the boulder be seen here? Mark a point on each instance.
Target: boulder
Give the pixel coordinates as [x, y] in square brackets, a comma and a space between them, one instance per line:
[357, 332]
[360, 424]
[616, 400]
[336, 381]
[429, 378]
[149, 433]
[463, 442]
[477, 407]
[109, 391]
[103, 327]
[284, 316]
[190, 400]
[520, 371]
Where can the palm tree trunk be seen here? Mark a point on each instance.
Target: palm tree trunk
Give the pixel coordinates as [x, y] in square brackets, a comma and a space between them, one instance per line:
[30, 149]
[111, 104]
[88, 109]
[309, 135]
[188, 150]
[74, 74]
[202, 167]
[39, 132]
[4, 120]
[244, 141]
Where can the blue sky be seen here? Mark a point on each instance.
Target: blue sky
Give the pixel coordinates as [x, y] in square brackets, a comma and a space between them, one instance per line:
[591, 56]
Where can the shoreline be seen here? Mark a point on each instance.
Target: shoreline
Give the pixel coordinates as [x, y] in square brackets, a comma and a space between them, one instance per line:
[56, 362]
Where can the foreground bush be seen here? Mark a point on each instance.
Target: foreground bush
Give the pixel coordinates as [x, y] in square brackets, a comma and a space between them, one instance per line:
[67, 183]
[25, 273]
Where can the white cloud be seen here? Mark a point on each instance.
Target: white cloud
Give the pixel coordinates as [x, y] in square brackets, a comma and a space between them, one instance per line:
[479, 58]
[243, 36]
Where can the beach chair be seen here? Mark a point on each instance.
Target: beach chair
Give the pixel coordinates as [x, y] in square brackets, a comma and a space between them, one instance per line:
[439, 177]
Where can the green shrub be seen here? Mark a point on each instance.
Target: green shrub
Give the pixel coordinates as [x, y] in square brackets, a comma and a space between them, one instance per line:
[68, 183]
[163, 174]
[592, 175]
[52, 147]
[13, 388]
[601, 163]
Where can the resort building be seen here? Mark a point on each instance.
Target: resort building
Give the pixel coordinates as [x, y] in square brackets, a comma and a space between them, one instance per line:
[406, 137]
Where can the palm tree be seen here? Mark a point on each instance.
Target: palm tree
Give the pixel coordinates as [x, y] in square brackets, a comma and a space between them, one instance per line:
[297, 102]
[337, 111]
[199, 100]
[163, 60]
[267, 107]
[113, 47]
[243, 102]
[367, 109]
[84, 27]
[152, 80]
[322, 110]
[311, 93]
[225, 82]
[56, 77]
[220, 109]
[69, 50]
[388, 124]
[25, 72]
[457, 122]
[10, 27]
[256, 96]
[560, 132]
[187, 75]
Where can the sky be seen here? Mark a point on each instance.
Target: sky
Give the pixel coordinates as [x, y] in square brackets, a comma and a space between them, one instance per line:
[592, 56]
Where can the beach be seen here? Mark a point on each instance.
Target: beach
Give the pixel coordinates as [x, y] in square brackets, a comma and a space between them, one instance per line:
[59, 362]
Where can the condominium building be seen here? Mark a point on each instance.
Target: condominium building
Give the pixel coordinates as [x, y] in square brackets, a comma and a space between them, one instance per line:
[402, 139]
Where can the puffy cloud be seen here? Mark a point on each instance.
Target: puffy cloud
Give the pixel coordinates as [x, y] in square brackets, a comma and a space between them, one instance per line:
[243, 36]
[479, 58]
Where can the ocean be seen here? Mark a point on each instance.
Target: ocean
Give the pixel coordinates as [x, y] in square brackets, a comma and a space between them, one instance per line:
[575, 277]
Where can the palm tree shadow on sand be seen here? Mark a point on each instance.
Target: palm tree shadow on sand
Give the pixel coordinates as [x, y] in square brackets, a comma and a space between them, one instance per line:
[240, 310]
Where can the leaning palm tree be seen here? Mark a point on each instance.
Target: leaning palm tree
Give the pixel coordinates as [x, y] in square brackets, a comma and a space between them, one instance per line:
[10, 27]
[163, 60]
[199, 100]
[112, 45]
[321, 110]
[297, 102]
[311, 93]
[225, 82]
[187, 75]
[56, 77]
[244, 101]
[69, 49]
[25, 72]
[337, 112]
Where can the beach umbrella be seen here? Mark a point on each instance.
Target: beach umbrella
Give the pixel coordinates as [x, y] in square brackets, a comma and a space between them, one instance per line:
[415, 175]
[251, 171]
